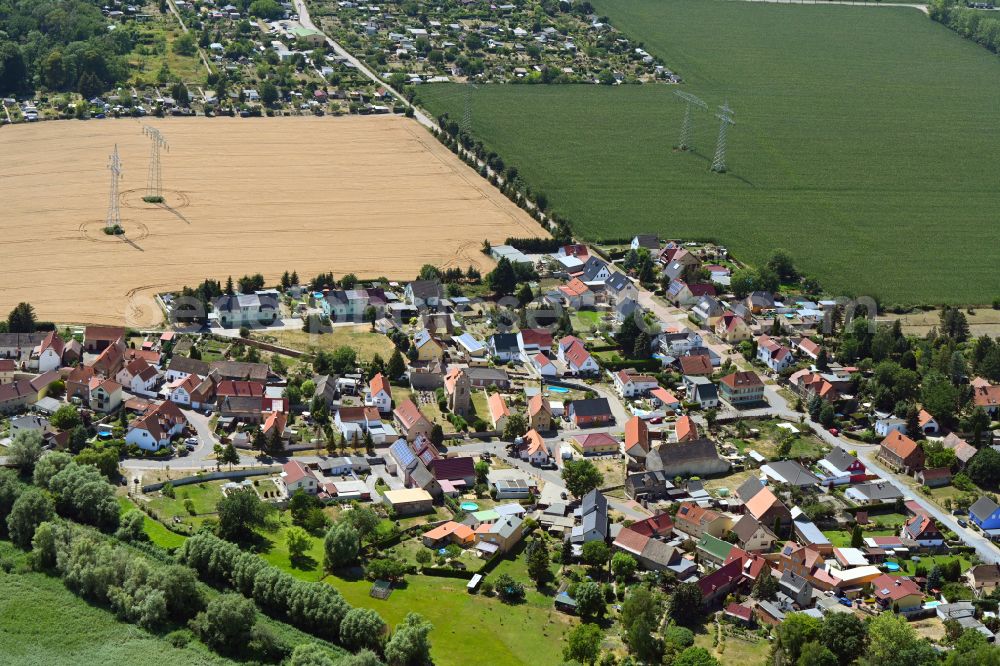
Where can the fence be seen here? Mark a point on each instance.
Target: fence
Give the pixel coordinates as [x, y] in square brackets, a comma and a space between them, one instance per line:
[214, 476]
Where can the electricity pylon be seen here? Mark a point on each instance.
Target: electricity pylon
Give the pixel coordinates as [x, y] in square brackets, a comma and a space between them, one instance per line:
[725, 116]
[687, 125]
[114, 219]
[154, 181]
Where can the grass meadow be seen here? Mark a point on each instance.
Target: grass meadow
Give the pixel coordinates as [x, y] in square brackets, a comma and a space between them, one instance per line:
[864, 143]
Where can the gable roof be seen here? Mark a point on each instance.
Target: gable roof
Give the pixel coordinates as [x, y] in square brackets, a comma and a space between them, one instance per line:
[453, 469]
[983, 507]
[538, 403]
[497, 406]
[535, 443]
[576, 355]
[763, 502]
[747, 526]
[900, 444]
[686, 429]
[378, 384]
[408, 413]
[742, 380]
[698, 364]
[666, 456]
[591, 407]
[636, 434]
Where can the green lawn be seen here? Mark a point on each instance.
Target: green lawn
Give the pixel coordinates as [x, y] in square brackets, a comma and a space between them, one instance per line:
[203, 495]
[859, 133]
[155, 530]
[41, 622]
[465, 626]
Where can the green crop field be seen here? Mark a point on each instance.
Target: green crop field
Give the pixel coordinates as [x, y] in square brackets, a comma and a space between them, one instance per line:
[865, 143]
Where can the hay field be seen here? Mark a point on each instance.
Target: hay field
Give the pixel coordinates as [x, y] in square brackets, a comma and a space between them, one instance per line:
[374, 196]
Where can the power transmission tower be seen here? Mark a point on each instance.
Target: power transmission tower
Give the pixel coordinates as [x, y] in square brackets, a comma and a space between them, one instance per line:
[687, 125]
[114, 219]
[154, 181]
[725, 116]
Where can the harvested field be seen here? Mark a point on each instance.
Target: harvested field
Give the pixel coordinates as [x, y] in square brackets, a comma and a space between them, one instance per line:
[374, 196]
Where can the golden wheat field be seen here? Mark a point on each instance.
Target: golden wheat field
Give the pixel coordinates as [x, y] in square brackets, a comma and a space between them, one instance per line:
[374, 196]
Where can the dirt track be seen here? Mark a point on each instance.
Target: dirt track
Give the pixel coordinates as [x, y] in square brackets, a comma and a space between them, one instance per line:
[374, 196]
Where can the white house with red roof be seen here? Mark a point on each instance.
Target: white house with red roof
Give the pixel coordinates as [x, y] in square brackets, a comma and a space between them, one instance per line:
[928, 423]
[105, 395]
[543, 366]
[577, 294]
[156, 427]
[532, 341]
[379, 394]
[534, 449]
[773, 354]
[139, 377]
[48, 354]
[630, 384]
[576, 358]
[808, 348]
[296, 476]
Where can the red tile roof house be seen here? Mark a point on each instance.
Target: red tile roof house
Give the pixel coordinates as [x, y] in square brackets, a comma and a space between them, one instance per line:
[897, 591]
[296, 476]
[988, 397]
[154, 429]
[718, 584]
[629, 384]
[741, 614]
[411, 421]
[636, 442]
[380, 393]
[699, 365]
[97, 338]
[742, 388]
[901, 453]
[596, 443]
[924, 531]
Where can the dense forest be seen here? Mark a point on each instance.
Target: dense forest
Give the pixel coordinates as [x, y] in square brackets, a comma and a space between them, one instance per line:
[61, 45]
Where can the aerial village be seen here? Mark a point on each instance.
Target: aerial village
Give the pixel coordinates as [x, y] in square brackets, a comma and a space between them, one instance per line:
[642, 414]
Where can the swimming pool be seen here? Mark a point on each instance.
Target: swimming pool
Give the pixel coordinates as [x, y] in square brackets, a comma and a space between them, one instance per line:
[891, 566]
[469, 506]
[558, 389]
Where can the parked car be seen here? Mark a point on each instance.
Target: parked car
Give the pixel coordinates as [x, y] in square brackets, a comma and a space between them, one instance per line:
[962, 523]
[834, 431]
[845, 601]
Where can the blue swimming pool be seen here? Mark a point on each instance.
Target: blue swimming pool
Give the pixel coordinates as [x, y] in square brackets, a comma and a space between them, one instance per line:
[891, 566]
[558, 389]
[469, 506]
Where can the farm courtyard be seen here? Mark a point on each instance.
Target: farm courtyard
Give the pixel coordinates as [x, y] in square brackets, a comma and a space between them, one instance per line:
[863, 143]
[375, 196]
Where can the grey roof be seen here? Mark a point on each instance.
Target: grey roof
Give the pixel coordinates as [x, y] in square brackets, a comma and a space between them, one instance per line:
[746, 526]
[593, 266]
[617, 282]
[593, 501]
[590, 407]
[704, 390]
[236, 302]
[749, 488]
[506, 527]
[840, 458]
[422, 476]
[793, 472]
[191, 366]
[425, 289]
[983, 507]
[479, 373]
[642, 481]
[659, 552]
[790, 581]
[241, 370]
[679, 453]
[771, 610]
[648, 241]
[880, 490]
[504, 342]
